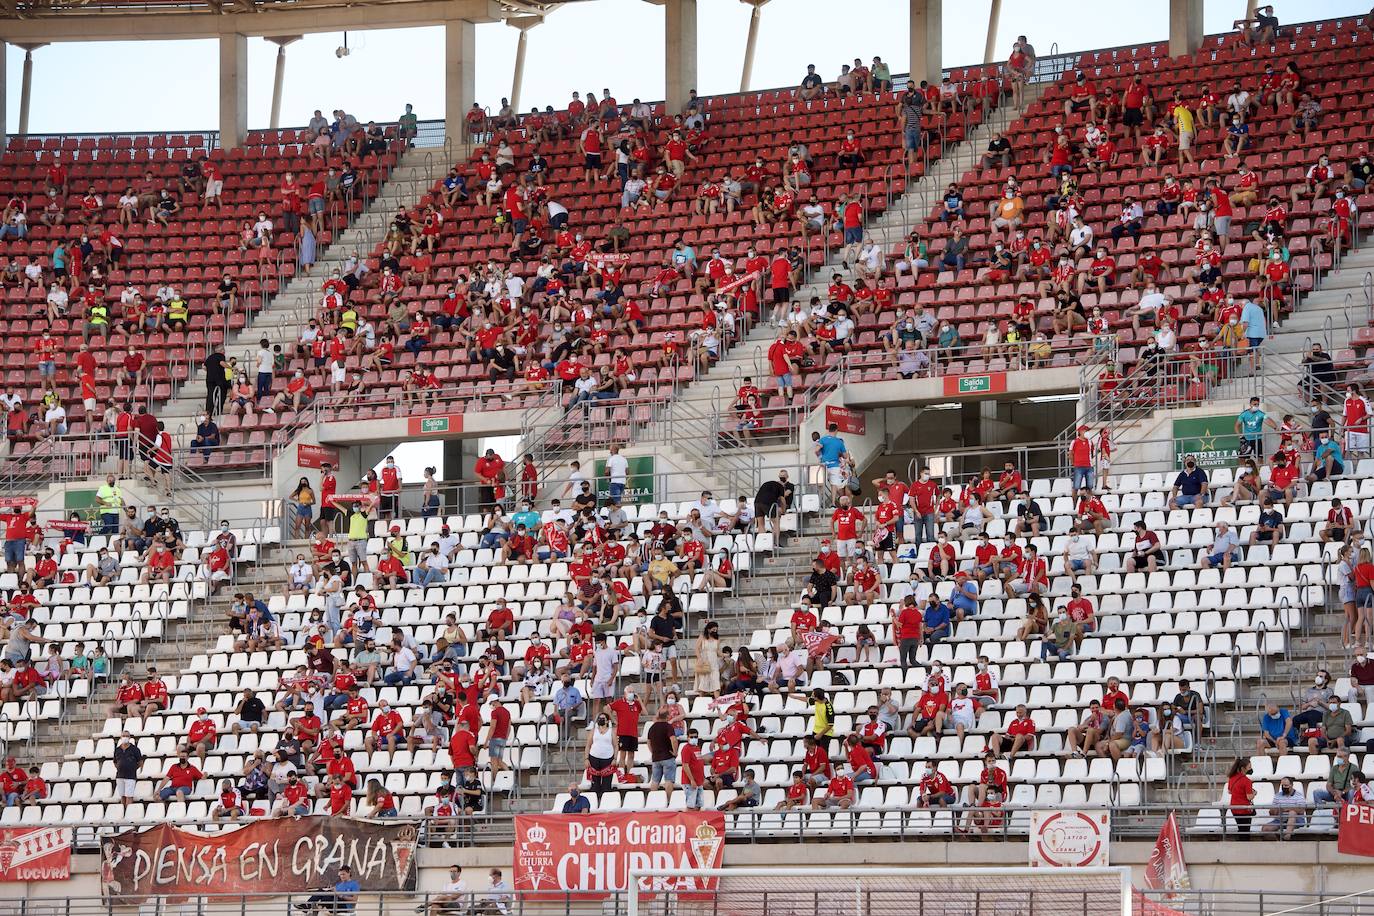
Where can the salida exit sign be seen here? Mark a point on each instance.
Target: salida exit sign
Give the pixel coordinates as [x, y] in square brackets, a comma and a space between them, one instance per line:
[991, 383]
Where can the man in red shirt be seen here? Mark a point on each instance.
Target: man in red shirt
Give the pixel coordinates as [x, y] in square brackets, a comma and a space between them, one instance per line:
[490, 471]
[498, 733]
[1081, 459]
[340, 797]
[627, 711]
[846, 523]
[390, 506]
[462, 747]
[935, 789]
[839, 793]
[693, 770]
[294, 799]
[386, 732]
[180, 780]
[1032, 575]
[1020, 734]
[783, 360]
[202, 734]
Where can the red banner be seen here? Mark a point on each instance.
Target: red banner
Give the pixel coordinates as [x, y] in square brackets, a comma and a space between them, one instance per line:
[16, 503]
[314, 456]
[277, 856]
[36, 854]
[65, 525]
[603, 259]
[1166, 870]
[848, 421]
[593, 854]
[738, 282]
[1145, 906]
[1357, 830]
[818, 643]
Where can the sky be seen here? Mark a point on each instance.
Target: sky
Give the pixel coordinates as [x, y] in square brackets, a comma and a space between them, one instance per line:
[388, 68]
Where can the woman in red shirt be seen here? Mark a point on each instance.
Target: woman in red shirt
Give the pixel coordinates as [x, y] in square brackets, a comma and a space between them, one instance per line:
[1241, 792]
[381, 802]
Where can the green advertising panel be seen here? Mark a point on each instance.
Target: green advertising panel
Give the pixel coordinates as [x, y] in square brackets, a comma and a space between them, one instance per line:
[639, 481]
[1211, 440]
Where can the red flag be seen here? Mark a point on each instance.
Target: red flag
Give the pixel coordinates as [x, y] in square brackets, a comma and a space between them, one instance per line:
[738, 282]
[1356, 836]
[730, 699]
[1166, 870]
[818, 643]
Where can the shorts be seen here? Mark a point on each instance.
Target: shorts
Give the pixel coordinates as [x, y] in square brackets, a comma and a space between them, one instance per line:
[785, 380]
[727, 780]
[214, 188]
[1185, 139]
[853, 235]
[781, 294]
[14, 551]
[1183, 500]
[836, 476]
[303, 511]
[1079, 104]
[1356, 442]
[1216, 558]
[316, 205]
[663, 771]
[126, 788]
[592, 160]
[496, 748]
[1319, 472]
[846, 548]
[911, 138]
[627, 742]
[1254, 342]
[1133, 117]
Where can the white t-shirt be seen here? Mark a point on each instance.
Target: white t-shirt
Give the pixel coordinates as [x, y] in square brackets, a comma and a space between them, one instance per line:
[264, 361]
[1152, 301]
[617, 468]
[55, 412]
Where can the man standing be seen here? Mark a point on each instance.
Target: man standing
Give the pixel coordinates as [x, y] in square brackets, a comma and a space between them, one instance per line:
[831, 450]
[1081, 459]
[617, 472]
[216, 383]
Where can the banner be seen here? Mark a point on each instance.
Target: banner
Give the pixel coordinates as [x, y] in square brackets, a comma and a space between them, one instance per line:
[639, 481]
[603, 259]
[850, 421]
[1145, 906]
[1166, 870]
[818, 643]
[277, 856]
[1357, 830]
[17, 503]
[68, 526]
[36, 854]
[314, 456]
[1211, 440]
[1070, 839]
[738, 282]
[594, 853]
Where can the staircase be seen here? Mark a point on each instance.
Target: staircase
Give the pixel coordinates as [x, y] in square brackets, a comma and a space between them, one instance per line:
[1331, 314]
[280, 322]
[749, 355]
[181, 641]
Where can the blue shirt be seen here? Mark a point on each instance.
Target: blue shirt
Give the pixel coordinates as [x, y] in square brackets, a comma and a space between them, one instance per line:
[529, 519]
[1252, 423]
[1253, 316]
[936, 617]
[1190, 483]
[1329, 447]
[578, 805]
[832, 447]
[1272, 725]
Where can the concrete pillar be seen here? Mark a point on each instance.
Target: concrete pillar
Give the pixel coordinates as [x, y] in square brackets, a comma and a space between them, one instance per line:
[1250, 7]
[26, 87]
[926, 24]
[233, 90]
[279, 78]
[679, 52]
[518, 78]
[994, 17]
[460, 73]
[4, 115]
[747, 73]
[1185, 27]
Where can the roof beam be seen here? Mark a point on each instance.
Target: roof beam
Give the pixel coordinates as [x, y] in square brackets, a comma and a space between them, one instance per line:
[286, 19]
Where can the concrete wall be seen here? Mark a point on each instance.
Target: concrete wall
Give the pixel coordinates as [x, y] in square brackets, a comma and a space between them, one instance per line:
[1298, 867]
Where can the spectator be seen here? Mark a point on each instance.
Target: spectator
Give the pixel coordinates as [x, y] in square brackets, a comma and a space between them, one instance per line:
[1225, 549]
[1276, 729]
[1288, 809]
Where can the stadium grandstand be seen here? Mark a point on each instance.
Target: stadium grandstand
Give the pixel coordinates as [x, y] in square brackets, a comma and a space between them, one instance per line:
[959, 479]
